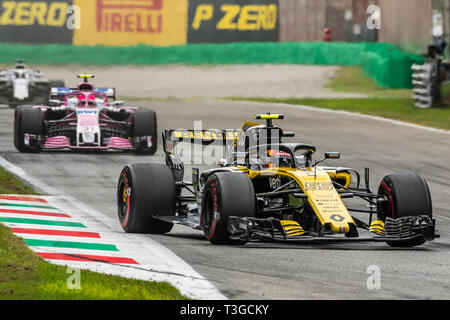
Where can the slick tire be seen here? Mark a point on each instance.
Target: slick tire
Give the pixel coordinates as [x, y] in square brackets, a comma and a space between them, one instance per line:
[145, 125]
[16, 131]
[145, 190]
[225, 194]
[27, 120]
[408, 195]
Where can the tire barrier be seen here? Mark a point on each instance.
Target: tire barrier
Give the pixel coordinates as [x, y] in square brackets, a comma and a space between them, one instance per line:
[431, 79]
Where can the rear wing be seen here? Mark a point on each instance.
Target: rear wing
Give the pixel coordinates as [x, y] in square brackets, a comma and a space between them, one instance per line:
[236, 142]
[60, 93]
[204, 137]
[171, 138]
[109, 92]
[230, 137]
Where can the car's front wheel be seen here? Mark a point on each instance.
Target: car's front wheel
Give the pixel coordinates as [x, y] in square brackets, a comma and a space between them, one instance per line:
[407, 195]
[225, 194]
[145, 190]
[28, 122]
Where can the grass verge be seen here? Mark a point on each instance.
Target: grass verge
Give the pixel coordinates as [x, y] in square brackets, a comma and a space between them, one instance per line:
[26, 276]
[9, 184]
[394, 104]
[401, 109]
[350, 79]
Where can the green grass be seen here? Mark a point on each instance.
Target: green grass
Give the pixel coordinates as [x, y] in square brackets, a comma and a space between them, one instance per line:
[394, 104]
[9, 184]
[26, 276]
[393, 108]
[352, 80]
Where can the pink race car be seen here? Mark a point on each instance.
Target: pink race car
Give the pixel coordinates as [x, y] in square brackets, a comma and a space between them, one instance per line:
[84, 119]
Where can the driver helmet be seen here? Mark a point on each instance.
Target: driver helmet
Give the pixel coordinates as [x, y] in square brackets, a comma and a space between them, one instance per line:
[277, 158]
[91, 101]
[272, 159]
[82, 100]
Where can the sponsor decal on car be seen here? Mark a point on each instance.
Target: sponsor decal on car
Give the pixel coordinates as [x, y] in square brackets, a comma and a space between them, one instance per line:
[87, 112]
[204, 135]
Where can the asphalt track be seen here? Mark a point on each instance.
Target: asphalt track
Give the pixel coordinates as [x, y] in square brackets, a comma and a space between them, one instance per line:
[279, 271]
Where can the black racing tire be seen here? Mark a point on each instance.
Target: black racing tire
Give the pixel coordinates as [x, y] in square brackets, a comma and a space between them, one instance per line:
[225, 194]
[27, 120]
[16, 123]
[57, 83]
[145, 125]
[145, 190]
[408, 195]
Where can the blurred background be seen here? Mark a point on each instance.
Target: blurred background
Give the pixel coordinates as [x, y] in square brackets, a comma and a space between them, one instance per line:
[408, 23]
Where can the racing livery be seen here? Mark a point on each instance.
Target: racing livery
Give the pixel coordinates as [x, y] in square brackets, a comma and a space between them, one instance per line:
[269, 190]
[25, 86]
[83, 118]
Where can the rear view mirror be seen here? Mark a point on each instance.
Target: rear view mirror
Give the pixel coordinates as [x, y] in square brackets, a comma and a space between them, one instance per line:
[332, 155]
[329, 155]
[288, 134]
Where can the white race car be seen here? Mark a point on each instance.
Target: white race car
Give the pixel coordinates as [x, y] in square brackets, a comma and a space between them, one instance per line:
[25, 86]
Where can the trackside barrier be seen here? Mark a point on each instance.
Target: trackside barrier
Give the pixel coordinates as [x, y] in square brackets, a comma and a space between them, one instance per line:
[383, 62]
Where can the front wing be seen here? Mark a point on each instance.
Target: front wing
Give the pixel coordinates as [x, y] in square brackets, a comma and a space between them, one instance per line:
[64, 142]
[272, 230]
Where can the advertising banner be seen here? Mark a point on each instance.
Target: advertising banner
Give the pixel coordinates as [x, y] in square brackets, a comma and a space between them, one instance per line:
[44, 21]
[218, 21]
[131, 22]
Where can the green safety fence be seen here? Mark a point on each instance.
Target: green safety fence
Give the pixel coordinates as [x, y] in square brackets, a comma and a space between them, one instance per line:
[383, 62]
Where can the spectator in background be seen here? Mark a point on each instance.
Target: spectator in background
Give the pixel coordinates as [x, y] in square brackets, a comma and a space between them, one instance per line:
[327, 35]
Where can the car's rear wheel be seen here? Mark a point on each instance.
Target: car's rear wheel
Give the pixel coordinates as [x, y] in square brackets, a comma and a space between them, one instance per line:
[145, 127]
[225, 194]
[145, 190]
[408, 195]
[28, 121]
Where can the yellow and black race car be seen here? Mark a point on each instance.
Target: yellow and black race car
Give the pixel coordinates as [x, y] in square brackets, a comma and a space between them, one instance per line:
[267, 190]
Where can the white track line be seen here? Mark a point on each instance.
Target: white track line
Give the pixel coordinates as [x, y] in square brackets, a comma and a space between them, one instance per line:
[347, 113]
[157, 263]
